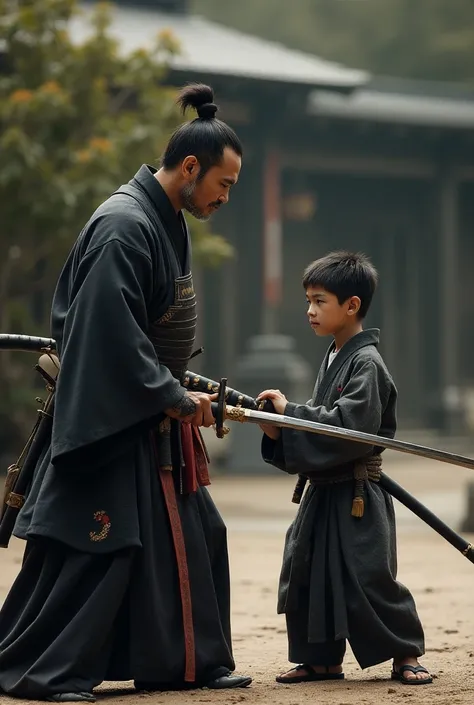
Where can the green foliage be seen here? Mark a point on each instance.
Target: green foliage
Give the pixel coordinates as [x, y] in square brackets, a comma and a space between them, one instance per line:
[424, 39]
[76, 121]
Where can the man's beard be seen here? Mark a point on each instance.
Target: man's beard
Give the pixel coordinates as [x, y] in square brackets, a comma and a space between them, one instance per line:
[187, 199]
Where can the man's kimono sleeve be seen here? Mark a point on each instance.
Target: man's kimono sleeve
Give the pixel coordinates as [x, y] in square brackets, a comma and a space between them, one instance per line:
[111, 385]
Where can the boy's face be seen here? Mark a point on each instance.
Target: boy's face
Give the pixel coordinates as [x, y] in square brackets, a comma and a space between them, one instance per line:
[326, 315]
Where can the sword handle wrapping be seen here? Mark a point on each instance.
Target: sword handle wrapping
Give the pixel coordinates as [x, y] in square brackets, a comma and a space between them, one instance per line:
[232, 397]
[227, 397]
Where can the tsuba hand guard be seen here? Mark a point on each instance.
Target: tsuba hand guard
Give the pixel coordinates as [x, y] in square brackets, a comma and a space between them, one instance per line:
[221, 430]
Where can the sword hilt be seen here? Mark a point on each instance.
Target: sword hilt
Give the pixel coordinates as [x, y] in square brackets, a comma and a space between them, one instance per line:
[219, 407]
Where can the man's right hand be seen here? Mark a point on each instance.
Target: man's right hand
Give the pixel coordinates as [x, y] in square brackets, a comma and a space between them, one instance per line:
[194, 408]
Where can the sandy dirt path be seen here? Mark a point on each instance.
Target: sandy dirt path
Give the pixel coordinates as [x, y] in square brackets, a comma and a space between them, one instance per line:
[257, 512]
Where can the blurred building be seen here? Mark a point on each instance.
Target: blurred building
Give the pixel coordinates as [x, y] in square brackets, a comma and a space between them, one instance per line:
[335, 158]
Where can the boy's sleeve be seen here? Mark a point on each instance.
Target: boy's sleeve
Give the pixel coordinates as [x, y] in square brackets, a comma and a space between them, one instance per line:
[272, 452]
[359, 408]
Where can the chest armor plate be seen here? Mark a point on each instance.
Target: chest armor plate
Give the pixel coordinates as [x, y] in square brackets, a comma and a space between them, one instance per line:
[174, 334]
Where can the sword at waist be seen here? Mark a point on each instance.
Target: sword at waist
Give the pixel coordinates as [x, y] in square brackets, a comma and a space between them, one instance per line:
[20, 474]
[26, 343]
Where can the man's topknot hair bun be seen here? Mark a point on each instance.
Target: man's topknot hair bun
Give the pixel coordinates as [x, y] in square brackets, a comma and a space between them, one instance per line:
[199, 97]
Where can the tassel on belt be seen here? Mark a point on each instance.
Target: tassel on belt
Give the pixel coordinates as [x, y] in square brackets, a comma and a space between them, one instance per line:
[368, 469]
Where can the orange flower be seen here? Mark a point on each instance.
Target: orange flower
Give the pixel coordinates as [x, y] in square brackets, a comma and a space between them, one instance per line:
[83, 156]
[22, 95]
[51, 87]
[100, 144]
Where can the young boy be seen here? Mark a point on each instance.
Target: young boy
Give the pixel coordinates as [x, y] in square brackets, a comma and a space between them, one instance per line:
[338, 579]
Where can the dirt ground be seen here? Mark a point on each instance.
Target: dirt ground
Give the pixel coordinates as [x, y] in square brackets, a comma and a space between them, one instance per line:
[257, 512]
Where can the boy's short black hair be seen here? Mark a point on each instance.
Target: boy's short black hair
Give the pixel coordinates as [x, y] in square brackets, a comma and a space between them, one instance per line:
[344, 274]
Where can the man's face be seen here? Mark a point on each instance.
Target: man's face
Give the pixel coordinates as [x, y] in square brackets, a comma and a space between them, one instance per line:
[202, 197]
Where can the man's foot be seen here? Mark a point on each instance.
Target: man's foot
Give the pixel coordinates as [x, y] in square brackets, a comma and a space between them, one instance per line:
[225, 680]
[409, 672]
[229, 681]
[305, 673]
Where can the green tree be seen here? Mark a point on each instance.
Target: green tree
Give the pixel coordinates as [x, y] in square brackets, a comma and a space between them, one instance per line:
[76, 121]
[423, 39]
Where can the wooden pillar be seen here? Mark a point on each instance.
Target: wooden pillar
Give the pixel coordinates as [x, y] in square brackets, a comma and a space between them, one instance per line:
[272, 242]
[415, 329]
[449, 338]
[228, 315]
[389, 299]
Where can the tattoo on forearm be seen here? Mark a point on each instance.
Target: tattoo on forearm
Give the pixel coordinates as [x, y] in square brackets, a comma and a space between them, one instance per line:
[185, 407]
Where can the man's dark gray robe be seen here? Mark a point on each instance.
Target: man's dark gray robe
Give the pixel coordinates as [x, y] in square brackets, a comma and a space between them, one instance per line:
[94, 603]
[338, 578]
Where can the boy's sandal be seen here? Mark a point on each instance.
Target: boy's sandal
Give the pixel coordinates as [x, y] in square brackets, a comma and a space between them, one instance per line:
[398, 675]
[310, 675]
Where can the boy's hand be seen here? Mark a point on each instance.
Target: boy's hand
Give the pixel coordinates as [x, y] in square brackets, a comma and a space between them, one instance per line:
[279, 400]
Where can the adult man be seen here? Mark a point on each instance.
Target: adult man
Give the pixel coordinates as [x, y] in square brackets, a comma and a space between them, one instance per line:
[125, 573]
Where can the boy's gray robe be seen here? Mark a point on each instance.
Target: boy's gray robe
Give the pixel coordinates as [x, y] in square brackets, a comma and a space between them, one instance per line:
[338, 577]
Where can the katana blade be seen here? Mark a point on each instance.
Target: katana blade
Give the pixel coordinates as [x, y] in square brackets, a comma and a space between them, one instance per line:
[258, 417]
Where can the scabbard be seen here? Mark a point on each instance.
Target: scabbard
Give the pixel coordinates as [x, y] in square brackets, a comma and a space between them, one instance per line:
[21, 475]
[426, 515]
[169, 492]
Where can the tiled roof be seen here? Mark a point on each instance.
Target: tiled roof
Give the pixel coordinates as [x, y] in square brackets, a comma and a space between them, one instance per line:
[212, 48]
